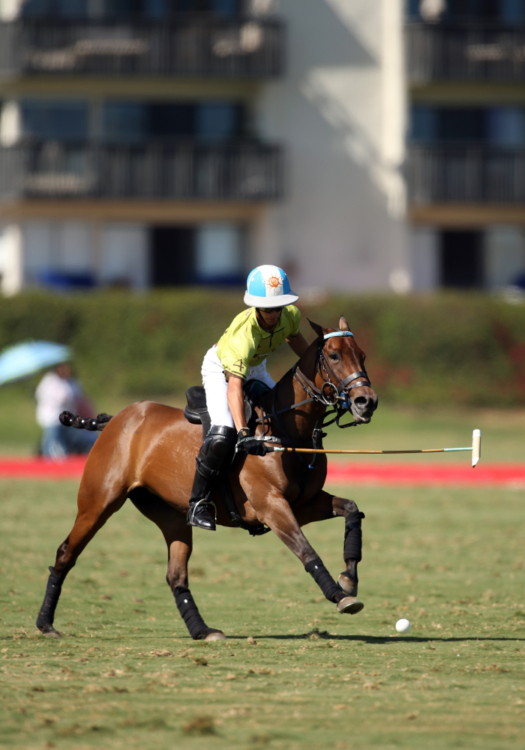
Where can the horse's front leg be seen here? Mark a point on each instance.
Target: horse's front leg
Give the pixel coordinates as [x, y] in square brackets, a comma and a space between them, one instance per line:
[326, 506]
[280, 518]
[352, 549]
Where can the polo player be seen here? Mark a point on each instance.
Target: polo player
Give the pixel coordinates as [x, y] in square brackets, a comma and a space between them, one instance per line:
[240, 356]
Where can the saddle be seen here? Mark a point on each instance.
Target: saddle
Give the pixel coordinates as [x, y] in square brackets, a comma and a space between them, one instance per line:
[196, 412]
[196, 409]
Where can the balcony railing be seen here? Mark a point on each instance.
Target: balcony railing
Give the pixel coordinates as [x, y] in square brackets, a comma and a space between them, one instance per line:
[186, 46]
[465, 52]
[240, 171]
[466, 174]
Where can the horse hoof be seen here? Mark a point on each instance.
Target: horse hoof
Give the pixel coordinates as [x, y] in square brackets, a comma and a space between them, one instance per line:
[50, 632]
[215, 635]
[348, 586]
[349, 605]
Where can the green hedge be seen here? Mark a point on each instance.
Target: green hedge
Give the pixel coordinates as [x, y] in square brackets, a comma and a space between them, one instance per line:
[449, 348]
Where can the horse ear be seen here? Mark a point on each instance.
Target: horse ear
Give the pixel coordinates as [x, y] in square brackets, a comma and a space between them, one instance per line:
[343, 325]
[318, 329]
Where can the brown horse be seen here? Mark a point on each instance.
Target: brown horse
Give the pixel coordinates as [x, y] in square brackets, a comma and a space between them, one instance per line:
[147, 453]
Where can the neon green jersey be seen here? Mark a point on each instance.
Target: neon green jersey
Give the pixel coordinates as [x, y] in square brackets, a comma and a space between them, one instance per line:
[245, 344]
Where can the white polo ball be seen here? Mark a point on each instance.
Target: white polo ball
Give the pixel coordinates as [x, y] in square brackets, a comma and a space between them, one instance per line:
[403, 625]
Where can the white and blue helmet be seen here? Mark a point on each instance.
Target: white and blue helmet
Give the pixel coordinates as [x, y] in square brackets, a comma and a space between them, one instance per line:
[268, 286]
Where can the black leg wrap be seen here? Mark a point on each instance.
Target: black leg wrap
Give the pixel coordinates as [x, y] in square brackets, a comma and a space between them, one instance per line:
[323, 579]
[46, 615]
[189, 612]
[353, 536]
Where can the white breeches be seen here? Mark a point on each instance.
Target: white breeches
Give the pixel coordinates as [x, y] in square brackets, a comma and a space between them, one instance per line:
[216, 386]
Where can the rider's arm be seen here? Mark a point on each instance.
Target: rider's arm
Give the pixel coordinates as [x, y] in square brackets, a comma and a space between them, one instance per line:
[298, 344]
[236, 401]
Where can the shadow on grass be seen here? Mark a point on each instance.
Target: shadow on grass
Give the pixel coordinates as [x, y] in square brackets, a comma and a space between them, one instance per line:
[370, 639]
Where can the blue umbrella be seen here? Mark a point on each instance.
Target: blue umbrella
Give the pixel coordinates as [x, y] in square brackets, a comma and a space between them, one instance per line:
[22, 360]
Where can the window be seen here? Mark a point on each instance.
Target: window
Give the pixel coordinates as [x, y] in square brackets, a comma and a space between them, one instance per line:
[506, 126]
[138, 122]
[218, 257]
[495, 126]
[122, 7]
[205, 254]
[171, 120]
[55, 120]
[423, 125]
[512, 11]
[124, 122]
[217, 121]
[220, 7]
[460, 124]
[172, 256]
[462, 259]
[55, 8]
[166, 8]
[506, 11]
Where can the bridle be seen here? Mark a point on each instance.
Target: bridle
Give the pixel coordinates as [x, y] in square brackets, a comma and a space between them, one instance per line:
[335, 394]
[331, 393]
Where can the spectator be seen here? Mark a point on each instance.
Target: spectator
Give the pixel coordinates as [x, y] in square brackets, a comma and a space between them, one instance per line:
[58, 391]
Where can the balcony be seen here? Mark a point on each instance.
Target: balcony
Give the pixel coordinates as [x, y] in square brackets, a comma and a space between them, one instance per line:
[185, 46]
[179, 171]
[465, 52]
[466, 174]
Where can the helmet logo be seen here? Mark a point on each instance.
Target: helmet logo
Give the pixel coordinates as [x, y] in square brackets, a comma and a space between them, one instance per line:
[273, 282]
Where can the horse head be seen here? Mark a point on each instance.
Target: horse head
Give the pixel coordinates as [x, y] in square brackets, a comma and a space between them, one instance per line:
[341, 370]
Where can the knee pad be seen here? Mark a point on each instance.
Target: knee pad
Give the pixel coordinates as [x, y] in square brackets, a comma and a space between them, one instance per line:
[218, 445]
[222, 440]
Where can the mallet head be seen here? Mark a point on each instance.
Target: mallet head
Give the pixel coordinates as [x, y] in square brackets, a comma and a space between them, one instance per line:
[476, 447]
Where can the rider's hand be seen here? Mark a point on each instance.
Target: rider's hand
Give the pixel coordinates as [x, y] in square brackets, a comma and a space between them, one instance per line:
[251, 445]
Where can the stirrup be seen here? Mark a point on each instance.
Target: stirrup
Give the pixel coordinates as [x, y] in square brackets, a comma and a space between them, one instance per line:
[192, 517]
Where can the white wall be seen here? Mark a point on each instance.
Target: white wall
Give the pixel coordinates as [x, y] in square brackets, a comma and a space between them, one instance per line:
[9, 9]
[10, 123]
[11, 259]
[339, 111]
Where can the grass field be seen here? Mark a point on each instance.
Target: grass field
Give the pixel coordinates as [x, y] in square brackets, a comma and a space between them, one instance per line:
[293, 674]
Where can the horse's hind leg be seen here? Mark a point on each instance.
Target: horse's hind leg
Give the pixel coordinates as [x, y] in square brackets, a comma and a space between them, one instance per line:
[178, 536]
[93, 512]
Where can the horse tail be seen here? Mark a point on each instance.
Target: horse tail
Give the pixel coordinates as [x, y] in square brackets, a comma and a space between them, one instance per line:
[84, 423]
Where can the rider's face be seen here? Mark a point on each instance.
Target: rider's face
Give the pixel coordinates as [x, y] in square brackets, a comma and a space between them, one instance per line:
[271, 315]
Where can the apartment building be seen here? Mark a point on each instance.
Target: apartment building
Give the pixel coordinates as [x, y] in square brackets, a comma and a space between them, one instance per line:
[166, 142]
[466, 152]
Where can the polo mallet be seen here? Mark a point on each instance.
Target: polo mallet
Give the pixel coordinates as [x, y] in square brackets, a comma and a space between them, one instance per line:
[475, 448]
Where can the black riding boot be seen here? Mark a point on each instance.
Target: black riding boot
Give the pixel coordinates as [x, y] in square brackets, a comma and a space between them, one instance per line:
[218, 445]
